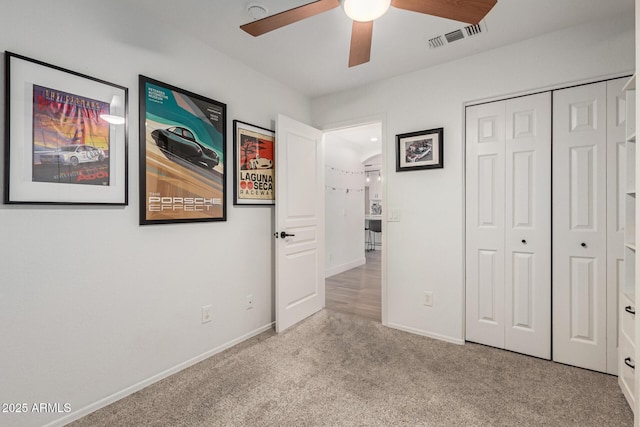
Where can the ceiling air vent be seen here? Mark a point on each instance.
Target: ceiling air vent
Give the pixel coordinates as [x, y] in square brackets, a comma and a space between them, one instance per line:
[454, 35]
[436, 42]
[473, 30]
[463, 33]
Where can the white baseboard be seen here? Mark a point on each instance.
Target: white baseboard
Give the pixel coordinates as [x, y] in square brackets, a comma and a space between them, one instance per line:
[426, 334]
[76, 415]
[344, 267]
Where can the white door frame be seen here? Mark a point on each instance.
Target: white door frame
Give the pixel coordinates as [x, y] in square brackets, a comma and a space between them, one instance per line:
[382, 119]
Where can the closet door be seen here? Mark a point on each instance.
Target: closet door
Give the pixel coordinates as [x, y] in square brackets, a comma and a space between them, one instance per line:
[485, 202]
[528, 225]
[508, 224]
[616, 194]
[579, 226]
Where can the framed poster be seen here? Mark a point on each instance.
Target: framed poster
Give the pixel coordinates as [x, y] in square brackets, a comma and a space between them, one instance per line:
[254, 162]
[66, 136]
[420, 150]
[182, 155]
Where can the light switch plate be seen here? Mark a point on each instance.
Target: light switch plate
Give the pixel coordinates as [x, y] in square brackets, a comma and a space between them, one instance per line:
[394, 215]
[427, 298]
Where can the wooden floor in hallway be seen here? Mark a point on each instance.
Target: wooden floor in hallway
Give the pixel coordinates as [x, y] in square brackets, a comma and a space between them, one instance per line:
[359, 290]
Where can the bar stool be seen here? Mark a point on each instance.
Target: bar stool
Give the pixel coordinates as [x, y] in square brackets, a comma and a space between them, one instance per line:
[367, 236]
[375, 226]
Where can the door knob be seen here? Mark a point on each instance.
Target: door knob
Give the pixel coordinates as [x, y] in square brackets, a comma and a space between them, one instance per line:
[284, 234]
[524, 242]
[630, 309]
[584, 245]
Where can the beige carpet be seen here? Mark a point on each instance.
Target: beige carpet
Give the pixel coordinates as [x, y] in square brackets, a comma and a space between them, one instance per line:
[340, 370]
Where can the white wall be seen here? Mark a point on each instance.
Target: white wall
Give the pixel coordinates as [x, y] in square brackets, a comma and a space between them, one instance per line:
[375, 185]
[425, 249]
[344, 211]
[372, 169]
[91, 304]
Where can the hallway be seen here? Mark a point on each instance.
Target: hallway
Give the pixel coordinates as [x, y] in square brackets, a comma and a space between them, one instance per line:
[357, 291]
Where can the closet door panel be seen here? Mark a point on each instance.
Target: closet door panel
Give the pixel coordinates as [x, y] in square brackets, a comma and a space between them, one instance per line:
[485, 138]
[528, 225]
[616, 193]
[579, 226]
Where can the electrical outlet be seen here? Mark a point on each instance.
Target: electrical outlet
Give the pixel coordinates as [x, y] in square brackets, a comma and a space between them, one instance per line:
[206, 313]
[249, 302]
[427, 298]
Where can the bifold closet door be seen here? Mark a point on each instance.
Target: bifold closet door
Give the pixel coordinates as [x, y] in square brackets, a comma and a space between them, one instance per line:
[508, 271]
[579, 226]
[485, 201]
[528, 225]
[616, 196]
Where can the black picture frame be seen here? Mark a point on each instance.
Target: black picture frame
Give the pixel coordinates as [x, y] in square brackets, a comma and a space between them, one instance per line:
[183, 140]
[66, 136]
[420, 150]
[254, 165]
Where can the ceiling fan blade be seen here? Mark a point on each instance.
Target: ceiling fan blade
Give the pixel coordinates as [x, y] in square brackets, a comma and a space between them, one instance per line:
[469, 11]
[361, 34]
[270, 23]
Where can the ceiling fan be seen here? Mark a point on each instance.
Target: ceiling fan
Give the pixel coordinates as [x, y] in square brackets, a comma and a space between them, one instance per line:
[364, 12]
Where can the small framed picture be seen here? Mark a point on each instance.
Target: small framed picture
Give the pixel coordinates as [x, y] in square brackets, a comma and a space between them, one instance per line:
[375, 207]
[66, 136]
[420, 150]
[254, 163]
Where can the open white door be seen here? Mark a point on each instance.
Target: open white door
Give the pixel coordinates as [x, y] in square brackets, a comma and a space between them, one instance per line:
[299, 222]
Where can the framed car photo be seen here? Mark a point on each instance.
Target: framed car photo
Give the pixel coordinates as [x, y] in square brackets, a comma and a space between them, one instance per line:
[66, 136]
[182, 155]
[420, 150]
[254, 162]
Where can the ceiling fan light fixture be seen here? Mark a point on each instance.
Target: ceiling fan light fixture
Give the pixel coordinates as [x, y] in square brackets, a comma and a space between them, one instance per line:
[366, 10]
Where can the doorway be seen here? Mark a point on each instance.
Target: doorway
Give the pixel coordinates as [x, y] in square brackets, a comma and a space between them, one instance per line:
[353, 216]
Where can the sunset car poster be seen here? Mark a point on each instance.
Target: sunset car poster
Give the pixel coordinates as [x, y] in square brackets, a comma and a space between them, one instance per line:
[70, 139]
[254, 162]
[65, 136]
[182, 155]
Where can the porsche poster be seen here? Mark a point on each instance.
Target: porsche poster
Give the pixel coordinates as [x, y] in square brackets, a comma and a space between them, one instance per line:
[182, 155]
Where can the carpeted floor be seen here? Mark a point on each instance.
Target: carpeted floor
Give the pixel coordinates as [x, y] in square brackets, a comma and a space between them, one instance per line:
[336, 369]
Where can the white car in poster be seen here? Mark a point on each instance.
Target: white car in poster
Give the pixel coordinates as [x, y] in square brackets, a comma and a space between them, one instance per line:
[260, 163]
[73, 155]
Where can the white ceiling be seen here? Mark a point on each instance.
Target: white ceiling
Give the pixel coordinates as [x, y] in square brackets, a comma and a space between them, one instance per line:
[311, 55]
